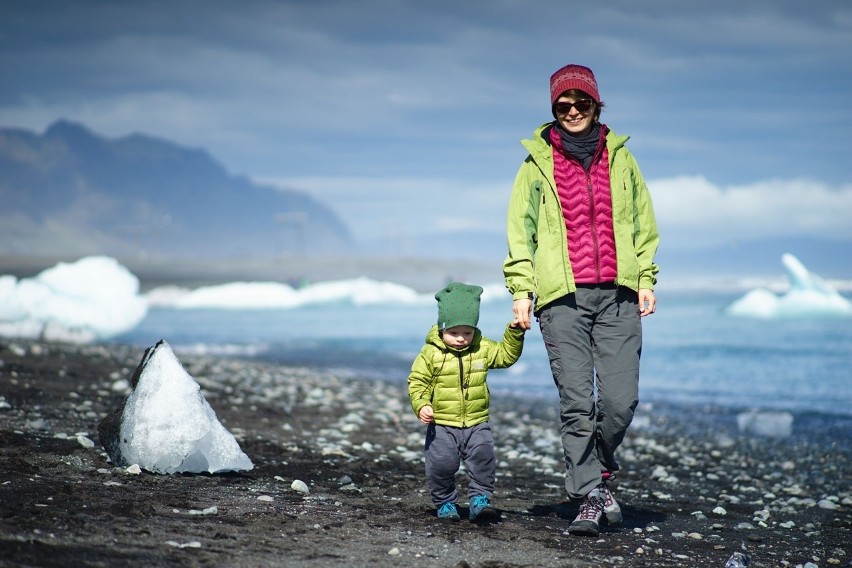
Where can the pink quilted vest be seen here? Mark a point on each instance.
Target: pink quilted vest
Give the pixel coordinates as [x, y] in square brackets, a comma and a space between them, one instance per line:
[587, 208]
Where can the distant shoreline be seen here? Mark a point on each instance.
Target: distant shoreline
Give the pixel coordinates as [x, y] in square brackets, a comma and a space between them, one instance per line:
[421, 274]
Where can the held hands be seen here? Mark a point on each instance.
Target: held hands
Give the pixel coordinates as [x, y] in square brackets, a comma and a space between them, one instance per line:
[426, 415]
[647, 302]
[521, 309]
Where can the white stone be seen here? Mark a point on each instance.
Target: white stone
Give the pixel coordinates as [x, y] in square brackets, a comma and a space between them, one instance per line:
[300, 486]
[85, 442]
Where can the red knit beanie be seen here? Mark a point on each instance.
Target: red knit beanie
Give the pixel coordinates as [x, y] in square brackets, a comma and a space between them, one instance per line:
[573, 77]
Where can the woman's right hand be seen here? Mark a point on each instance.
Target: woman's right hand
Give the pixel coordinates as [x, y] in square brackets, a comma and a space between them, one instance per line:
[521, 309]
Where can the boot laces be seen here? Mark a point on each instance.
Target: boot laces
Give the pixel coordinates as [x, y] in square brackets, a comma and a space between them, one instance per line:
[591, 508]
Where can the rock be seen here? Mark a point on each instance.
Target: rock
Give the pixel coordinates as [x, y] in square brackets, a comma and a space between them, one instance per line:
[300, 486]
[85, 442]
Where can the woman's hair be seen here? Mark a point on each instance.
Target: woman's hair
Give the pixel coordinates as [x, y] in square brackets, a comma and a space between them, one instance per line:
[578, 94]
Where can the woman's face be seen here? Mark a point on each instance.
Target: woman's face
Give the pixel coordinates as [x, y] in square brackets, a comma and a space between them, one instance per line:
[575, 114]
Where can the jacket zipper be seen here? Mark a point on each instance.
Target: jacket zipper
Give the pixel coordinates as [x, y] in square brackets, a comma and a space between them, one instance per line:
[463, 386]
[594, 227]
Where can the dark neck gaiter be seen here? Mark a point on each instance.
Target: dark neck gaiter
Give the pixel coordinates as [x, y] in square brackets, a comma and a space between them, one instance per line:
[581, 148]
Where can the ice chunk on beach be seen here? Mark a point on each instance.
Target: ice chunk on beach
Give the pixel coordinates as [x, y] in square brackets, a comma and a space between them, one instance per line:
[809, 296]
[167, 426]
[765, 423]
[90, 299]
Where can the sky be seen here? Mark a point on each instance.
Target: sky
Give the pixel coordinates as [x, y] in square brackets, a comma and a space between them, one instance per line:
[406, 117]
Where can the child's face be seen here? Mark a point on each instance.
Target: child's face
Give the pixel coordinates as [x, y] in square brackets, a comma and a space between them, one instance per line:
[459, 336]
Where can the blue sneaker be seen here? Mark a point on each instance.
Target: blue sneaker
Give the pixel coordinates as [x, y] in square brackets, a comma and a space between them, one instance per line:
[480, 506]
[448, 511]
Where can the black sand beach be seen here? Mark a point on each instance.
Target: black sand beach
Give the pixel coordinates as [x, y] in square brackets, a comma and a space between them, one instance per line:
[693, 489]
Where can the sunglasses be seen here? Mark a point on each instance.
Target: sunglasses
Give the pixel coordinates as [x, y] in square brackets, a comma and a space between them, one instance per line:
[583, 106]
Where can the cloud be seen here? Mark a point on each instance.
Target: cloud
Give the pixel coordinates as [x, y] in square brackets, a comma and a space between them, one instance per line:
[426, 96]
[693, 211]
[376, 208]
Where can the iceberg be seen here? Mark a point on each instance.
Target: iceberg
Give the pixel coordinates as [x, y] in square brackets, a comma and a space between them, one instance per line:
[90, 299]
[766, 423]
[166, 425]
[809, 296]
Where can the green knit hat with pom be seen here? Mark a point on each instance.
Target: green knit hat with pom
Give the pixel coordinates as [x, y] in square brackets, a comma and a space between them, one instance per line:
[458, 304]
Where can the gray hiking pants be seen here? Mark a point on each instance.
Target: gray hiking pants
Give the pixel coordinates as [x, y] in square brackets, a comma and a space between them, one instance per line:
[446, 447]
[595, 331]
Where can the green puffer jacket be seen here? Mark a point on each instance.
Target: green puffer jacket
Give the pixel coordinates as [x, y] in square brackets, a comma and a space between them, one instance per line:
[452, 381]
[538, 240]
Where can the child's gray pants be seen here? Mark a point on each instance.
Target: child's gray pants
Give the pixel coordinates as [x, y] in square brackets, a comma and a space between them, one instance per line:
[446, 447]
[596, 330]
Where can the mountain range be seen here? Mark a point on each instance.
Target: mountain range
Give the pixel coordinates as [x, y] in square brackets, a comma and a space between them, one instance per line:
[71, 192]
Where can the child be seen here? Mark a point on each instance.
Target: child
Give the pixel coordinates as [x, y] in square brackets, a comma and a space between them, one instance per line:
[448, 392]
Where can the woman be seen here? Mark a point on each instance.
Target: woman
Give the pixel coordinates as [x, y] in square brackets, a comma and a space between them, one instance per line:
[582, 238]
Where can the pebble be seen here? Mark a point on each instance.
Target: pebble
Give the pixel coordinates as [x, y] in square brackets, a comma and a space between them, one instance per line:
[300, 486]
[720, 511]
[394, 551]
[85, 442]
[192, 544]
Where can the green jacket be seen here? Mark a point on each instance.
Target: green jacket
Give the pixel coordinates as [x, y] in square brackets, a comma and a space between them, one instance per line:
[537, 238]
[452, 381]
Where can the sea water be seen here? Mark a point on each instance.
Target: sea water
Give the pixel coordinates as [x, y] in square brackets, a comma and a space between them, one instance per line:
[693, 352]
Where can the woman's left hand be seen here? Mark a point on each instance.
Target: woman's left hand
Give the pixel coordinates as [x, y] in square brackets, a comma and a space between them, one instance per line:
[647, 302]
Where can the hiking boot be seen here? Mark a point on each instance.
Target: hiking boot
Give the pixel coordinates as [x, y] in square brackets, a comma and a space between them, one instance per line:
[480, 507]
[611, 510]
[449, 511]
[587, 522]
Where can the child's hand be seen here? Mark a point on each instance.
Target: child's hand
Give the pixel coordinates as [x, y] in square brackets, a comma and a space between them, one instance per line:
[426, 414]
